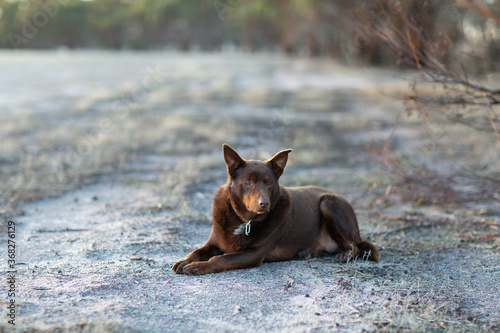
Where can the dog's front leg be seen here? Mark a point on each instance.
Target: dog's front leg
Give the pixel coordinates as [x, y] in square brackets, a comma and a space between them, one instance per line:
[202, 254]
[226, 262]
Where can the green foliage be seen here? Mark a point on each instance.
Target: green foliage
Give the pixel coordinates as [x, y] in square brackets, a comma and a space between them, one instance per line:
[317, 26]
[261, 9]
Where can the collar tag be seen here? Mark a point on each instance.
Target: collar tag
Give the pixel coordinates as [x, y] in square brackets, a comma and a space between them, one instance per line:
[247, 228]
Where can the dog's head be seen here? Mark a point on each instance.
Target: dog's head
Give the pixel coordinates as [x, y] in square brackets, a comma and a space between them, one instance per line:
[253, 185]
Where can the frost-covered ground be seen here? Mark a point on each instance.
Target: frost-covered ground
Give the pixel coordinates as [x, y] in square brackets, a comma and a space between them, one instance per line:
[129, 145]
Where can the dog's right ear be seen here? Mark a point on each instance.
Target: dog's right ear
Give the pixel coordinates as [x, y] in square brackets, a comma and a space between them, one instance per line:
[232, 159]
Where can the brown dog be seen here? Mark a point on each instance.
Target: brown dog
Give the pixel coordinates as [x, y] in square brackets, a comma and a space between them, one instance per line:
[255, 219]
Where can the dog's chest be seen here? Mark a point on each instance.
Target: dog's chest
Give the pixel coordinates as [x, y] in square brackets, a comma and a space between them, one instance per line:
[235, 243]
[239, 237]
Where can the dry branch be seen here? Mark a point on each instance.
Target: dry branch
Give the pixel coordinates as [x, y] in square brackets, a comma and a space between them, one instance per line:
[407, 37]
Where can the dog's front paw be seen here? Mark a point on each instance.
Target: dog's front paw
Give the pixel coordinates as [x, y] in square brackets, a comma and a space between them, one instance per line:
[178, 267]
[198, 268]
[192, 268]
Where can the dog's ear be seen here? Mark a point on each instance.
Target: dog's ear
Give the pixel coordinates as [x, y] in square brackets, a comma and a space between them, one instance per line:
[232, 159]
[278, 162]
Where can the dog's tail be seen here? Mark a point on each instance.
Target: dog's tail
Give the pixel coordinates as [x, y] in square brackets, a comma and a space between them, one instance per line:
[368, 250]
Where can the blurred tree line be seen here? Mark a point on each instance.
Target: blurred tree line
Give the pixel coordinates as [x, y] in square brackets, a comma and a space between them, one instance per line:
[313, 27]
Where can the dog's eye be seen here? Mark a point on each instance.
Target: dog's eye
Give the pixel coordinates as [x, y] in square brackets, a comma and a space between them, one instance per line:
[268, 182]
[248, 182]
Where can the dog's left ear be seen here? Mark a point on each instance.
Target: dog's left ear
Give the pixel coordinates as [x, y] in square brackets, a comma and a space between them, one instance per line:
[278, 162]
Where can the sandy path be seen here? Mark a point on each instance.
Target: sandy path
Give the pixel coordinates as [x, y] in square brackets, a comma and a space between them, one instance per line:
[98, 258]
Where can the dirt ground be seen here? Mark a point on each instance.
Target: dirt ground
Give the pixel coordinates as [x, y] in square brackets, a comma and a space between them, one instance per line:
[110, 160]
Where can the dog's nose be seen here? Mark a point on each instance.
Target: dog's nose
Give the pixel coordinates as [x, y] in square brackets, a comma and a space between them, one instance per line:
[263, 203]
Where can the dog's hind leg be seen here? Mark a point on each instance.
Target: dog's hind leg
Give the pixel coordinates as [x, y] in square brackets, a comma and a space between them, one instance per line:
[342, 225]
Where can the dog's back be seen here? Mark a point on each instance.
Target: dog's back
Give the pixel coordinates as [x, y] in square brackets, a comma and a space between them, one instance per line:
[302, 222]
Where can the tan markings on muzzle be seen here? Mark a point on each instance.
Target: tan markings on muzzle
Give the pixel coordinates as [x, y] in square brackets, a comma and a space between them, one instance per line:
[257, 202]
